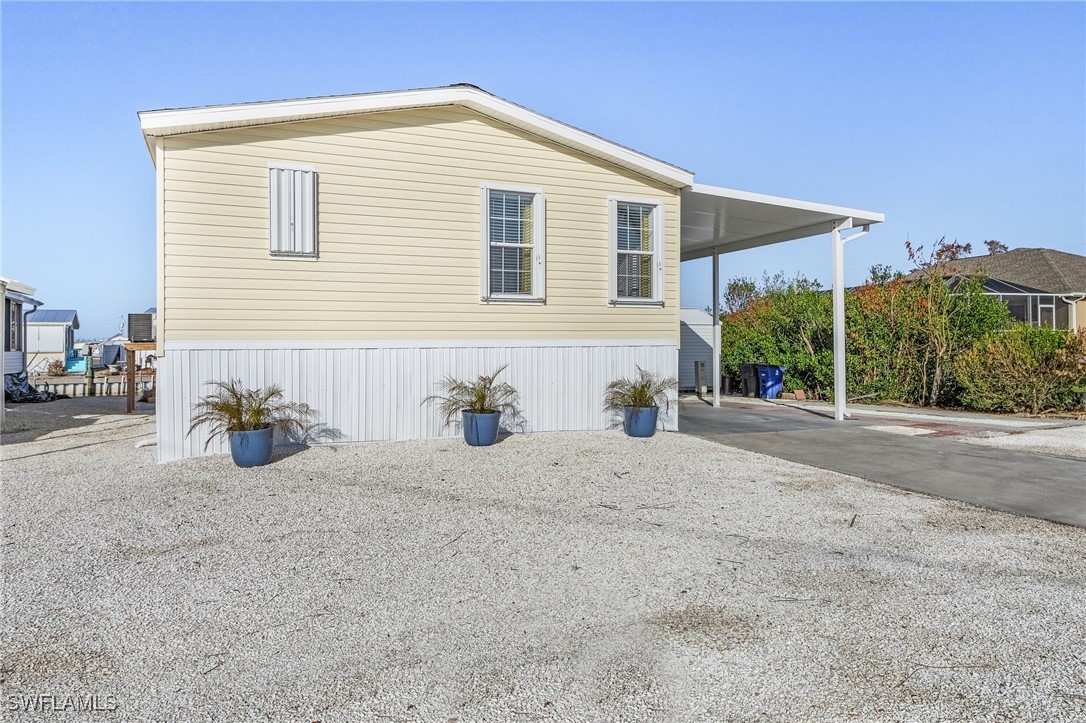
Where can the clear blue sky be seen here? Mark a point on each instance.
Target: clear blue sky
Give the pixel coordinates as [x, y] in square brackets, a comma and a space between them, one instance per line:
[963, 120]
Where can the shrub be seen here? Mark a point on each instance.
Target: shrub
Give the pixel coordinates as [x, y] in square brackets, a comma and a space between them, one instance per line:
[786, 323]
[56, 368]
[485, 395]
[1024, 369]
[233, 408]
[902, 334]
[647, 390]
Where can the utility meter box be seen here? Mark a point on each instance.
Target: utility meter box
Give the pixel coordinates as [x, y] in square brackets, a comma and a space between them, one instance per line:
[700, 377]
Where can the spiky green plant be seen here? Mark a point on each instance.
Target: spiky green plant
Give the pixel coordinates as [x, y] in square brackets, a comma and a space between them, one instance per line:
[485, 395]
[234, 408]
[647, 390]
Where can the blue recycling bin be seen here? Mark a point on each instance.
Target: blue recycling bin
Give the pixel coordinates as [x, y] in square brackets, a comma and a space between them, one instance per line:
[770, 381]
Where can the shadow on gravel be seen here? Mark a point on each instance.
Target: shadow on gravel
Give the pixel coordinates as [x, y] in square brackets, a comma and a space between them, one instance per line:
[29, 422]
[286, 451]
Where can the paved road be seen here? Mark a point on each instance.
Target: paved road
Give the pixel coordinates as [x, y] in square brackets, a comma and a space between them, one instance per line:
[1037, 485]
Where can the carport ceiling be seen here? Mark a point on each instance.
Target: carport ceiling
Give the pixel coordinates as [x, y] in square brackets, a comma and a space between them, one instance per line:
[728, 220]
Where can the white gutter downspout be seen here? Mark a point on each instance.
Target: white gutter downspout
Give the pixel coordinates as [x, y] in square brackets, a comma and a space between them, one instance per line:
[24, 330]
[839, 387]
[1072, 303]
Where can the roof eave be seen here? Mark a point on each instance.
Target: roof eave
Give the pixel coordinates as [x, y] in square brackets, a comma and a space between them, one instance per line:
[815, 219]
[162, 123]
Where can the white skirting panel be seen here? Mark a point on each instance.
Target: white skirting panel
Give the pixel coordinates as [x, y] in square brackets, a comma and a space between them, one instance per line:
[364, 391]
[13, 362]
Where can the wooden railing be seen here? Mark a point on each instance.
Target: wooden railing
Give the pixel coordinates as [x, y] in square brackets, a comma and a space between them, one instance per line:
[103, 386]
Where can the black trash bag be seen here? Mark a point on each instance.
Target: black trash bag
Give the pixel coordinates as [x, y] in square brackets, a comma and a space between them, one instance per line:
[18, 389]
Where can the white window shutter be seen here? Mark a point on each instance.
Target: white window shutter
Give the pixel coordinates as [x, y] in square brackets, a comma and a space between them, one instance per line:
[303, 207]
[612, 255]
[539, 247]
[308, 229]
[292, 211]
[279, 206]
[658, 251]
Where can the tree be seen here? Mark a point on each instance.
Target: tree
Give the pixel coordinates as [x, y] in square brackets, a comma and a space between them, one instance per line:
[739, 294]
[949, 308]
[882, 274]
[995, 247]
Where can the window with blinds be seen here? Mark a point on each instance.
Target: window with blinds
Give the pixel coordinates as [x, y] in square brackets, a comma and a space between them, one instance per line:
[637, 260]
[292, 204]
[513, 244]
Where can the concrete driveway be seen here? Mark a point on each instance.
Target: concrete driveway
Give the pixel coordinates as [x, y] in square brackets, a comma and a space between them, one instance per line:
[921, 452]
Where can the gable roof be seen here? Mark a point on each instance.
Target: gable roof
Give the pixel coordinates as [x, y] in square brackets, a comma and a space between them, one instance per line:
[1047, 270]
[54, 316]
[168, 122]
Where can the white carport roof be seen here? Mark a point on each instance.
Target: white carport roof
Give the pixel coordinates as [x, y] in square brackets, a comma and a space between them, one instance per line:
[726, 220]
[722, 220]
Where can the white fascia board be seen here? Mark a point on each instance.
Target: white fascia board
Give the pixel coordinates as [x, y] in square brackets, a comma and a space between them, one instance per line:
[158, 123]
[17, 286]
[859, 217]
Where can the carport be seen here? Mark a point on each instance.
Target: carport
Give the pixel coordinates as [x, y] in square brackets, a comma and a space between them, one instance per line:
[719, 221]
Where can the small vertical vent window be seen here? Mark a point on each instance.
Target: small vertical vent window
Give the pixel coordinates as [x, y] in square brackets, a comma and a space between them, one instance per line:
[293, 211]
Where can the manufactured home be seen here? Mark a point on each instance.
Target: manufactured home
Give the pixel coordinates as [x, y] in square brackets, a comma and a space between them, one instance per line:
[357, 249]
[19, 302]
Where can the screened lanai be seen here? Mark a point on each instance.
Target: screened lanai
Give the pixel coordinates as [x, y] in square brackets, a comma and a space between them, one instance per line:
[719, 221]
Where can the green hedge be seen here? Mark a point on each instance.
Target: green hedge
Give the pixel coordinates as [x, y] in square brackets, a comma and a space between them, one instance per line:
[903, 337]
[1023, 369]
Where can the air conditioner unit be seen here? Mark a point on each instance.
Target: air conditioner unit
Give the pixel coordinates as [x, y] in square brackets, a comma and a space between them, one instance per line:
[140, 327]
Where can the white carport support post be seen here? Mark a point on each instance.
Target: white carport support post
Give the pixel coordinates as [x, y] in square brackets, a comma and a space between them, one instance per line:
[716, 328]
[839, 393]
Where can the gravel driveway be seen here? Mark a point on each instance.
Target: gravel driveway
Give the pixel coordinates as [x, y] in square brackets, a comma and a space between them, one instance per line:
[563, 577]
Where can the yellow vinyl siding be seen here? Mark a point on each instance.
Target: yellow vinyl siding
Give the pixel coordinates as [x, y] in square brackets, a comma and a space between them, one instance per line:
[398, 234]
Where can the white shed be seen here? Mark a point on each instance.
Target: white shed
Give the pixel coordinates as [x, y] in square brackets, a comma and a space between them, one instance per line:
[50, 336]
[696, 345]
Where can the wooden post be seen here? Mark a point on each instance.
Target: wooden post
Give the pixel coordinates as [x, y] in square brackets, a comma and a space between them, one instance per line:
[130, 376]
[130, 350]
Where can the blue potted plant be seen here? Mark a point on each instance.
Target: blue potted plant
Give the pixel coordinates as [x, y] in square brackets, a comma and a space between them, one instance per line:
[478, 405]
[639, 401]
[248, 418]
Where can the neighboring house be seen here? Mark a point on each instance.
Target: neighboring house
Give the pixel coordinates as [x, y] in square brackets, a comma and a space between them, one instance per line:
[110, 352]
[357, 249]
[695, 345]
[19, 301]
[50, 336]
[1043, 287]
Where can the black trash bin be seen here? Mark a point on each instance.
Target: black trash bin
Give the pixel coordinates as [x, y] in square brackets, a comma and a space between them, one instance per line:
[749, 374]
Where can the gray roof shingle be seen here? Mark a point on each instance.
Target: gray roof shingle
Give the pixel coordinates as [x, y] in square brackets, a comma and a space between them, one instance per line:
[1055, 272]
